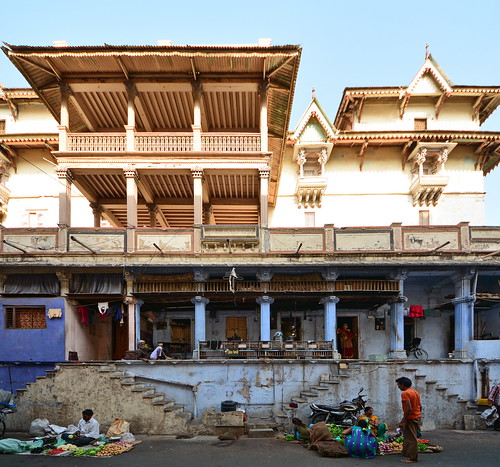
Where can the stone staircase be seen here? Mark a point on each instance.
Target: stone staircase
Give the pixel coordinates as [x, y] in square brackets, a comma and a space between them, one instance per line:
[63, 393]
[436, 397]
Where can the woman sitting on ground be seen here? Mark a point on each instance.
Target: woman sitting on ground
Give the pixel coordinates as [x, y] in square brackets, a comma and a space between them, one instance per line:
[360, 442]
[379, 430]
[300, 430]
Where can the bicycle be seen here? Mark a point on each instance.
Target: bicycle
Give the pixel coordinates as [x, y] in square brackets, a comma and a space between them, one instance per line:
[416, 351]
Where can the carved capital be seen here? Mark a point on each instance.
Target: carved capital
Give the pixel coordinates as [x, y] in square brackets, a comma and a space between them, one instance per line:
[63, 173]
[467, 299]
[301, 157]
[197, 172]
[264, 275]
[263, 87]
[152, 208]
[264, 172]
[128, 300]
[96, 208]
[65, 88]
[330, 274]
[398, 299]
[264, 299]
[421, 156]
[131, 88]
[323, 157]
[199, 299]
[330, 299]
[131, 172]
[200, 275]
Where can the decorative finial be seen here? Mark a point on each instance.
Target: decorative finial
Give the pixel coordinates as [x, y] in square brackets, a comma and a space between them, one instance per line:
[313, 93]
[426, 51]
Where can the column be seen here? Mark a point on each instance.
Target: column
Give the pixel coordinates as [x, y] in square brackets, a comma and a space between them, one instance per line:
[265, 317]
[65, 180]
[97, 211]
[130, 126]
[133, 321]
[197, 174]
[64, 126]
[464, 309]
[153, 211]
[197, 93]
[264, 85]
[264, 192]
[131, 179]
[397, 349]
[199, 323]
[330, 307]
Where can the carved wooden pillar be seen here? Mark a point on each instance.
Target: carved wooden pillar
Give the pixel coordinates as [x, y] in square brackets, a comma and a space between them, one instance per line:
[197, 95]
[264, 195]
[264, 85]
[153, 211]
[197, 174]
[130, 126]
[65, 181]
[131, 178]
[64, 126]
[97, 211]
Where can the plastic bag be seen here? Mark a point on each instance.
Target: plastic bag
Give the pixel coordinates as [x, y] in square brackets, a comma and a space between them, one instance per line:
[118, 427]
[38, 426]
[490, 416]
[129, 437]
[12, 446]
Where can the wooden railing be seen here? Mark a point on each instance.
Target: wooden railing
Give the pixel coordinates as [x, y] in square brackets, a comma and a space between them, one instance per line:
[230, 143]
[266, 349]
[279, 286]
[163, 142]
[101, 142]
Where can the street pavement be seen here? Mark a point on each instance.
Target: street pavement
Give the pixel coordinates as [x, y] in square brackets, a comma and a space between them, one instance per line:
[460, 448]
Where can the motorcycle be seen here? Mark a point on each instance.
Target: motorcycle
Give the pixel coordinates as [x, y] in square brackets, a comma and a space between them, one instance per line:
[345, 414]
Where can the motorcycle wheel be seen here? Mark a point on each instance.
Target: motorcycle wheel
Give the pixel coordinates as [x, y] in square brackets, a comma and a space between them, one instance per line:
[350, 417]
[319, 417]
[2, 428]
[421, 354]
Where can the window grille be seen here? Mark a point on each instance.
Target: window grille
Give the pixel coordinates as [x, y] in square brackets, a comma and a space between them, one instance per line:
[420, 124]
[25, 317]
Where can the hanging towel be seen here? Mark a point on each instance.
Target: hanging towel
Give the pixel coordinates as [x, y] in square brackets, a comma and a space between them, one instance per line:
[103, 307]
[416, 311]
[84, 315]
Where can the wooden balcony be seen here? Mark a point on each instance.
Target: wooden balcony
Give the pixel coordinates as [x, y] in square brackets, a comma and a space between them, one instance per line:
[160, 142]
[309, 191]
[426, 189]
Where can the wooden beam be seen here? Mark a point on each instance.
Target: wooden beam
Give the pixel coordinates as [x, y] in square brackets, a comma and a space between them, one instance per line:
[361, 155]
[404, 154]
[81, 112]
[359, 109]
[439, 103]
[145, 191]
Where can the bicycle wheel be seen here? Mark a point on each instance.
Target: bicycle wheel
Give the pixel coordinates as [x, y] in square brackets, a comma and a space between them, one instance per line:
[421, 354]
[2, 428]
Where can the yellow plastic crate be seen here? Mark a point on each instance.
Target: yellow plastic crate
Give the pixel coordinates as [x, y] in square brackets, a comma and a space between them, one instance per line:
[482, 402]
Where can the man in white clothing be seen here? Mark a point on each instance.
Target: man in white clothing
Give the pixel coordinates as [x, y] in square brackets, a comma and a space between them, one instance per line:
[159, 353]
[88, 430]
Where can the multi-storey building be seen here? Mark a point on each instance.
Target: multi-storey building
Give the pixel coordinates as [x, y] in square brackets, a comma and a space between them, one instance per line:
[155, 192]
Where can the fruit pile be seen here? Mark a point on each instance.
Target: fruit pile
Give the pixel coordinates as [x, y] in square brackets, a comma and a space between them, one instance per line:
[113, 449]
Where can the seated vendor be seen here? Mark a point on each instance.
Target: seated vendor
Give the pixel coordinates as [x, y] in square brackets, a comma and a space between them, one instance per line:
[300, 430]
[143, 352]
[88, 430]
[378, 429]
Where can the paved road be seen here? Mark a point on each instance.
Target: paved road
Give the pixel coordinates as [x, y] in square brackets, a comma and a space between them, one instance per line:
[467, 449]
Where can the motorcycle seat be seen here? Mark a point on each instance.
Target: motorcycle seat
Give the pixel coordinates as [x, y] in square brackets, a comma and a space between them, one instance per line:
[329, 408]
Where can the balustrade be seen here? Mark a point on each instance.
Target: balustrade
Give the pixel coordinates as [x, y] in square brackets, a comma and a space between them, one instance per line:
[102, 142]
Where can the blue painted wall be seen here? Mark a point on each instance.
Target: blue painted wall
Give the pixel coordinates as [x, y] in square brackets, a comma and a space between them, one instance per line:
[27, 353]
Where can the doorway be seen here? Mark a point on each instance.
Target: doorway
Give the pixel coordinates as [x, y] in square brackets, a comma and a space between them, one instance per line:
[291, 329]
[353, 326]
[236, 326]
[120, 338]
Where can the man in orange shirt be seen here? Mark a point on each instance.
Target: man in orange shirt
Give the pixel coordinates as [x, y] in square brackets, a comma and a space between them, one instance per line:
[412, 412]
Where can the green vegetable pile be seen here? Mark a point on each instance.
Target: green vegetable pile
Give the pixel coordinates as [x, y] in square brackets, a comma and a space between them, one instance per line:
[335, 430]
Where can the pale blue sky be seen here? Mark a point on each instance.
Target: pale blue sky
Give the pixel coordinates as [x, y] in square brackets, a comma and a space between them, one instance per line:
[356, 43]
